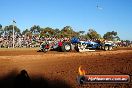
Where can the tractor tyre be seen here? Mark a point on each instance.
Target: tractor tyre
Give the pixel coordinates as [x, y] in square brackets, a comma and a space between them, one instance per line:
[66, 47]
[106, 48]
[110, 47]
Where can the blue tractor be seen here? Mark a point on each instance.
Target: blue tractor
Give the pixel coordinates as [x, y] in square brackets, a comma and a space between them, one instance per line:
[82, 46]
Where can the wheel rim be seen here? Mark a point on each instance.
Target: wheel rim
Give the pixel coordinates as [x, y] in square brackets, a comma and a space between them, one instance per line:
[110, 48]
[106, 48]
[67, 47]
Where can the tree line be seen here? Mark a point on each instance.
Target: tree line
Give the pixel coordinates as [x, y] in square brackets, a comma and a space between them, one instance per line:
[66, 31]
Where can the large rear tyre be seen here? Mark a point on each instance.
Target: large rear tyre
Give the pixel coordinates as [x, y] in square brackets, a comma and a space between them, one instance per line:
[110, 48]
[66, 47]
[106, 48]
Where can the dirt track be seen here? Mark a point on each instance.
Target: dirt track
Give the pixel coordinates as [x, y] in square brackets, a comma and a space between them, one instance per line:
[59, 70]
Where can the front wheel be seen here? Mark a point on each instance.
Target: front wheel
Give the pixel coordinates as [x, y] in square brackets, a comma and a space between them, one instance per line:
[44, 50]
[66, 47]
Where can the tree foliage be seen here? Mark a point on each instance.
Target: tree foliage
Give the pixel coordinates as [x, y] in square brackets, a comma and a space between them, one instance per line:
[8, 30]
[111, 36]
[81, 32]
[66, 31]
[27, 33]
[1, 30]
[0, 26]
[35, 29]
[92, 34]
[47, 32]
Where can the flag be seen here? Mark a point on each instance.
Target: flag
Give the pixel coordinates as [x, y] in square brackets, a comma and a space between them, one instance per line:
[14, 21]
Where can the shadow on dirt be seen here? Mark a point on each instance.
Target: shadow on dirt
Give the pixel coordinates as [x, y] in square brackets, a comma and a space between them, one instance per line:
[23, 80]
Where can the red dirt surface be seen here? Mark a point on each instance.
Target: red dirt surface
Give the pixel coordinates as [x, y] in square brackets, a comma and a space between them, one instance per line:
[60, 69]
